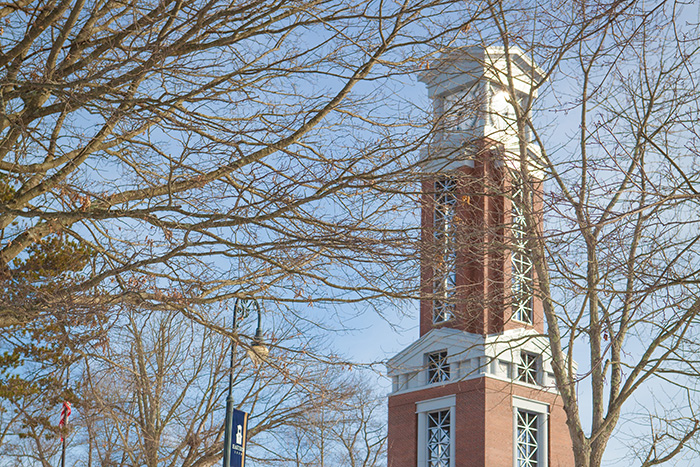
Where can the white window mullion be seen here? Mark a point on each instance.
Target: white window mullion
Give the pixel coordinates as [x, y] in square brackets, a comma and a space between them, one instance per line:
[529, 368]
[445, 269]
[521, 261]
[527, 438]
[438, 367]
[439, 438]
[530, 433]
[436, 424]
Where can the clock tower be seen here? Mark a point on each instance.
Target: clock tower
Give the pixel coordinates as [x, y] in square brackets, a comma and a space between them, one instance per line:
[477, 388]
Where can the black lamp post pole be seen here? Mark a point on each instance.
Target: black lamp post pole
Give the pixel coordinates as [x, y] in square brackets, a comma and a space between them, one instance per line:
[229, 399]
[244, 305]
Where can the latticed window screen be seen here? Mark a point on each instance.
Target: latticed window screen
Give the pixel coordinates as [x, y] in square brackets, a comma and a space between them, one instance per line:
[439, 438]
[438, 367]
[521, 260]
[528, 367]
[445, 269]
[527, 439]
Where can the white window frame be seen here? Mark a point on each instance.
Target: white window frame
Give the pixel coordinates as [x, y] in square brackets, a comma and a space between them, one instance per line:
[443, 369]
[542, 411]
[422, 410]
[524, 371]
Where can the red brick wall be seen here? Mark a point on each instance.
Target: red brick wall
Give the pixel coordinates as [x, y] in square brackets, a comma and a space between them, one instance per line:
[483, 263]
[402, 432]
[403, 422]
[484, 424]
[499, 424]
[470, 429]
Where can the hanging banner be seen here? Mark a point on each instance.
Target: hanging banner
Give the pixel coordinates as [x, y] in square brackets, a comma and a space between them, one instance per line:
[239, 436]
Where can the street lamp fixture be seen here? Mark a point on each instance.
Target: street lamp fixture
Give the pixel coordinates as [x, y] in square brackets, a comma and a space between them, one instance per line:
[257, 352]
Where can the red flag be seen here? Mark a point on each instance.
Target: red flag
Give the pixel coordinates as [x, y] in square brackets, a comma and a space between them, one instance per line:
[65, 413]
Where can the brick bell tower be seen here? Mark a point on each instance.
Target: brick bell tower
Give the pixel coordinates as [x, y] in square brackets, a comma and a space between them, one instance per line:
[477, 388]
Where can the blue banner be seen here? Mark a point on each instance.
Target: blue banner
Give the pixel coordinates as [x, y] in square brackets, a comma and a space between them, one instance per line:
[239, 436]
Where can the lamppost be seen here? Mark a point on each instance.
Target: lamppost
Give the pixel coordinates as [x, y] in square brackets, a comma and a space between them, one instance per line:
[257, 353]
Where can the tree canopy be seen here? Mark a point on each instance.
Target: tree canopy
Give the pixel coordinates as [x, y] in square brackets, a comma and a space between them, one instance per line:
[160, 158]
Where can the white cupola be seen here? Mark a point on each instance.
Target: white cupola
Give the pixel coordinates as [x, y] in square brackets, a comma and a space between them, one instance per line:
[469, 89]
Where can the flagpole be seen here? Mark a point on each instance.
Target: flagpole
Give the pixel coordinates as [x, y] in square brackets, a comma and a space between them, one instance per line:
[63, 453]
[63, 438]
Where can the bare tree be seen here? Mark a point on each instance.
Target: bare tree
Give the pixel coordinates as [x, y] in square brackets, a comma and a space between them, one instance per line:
[170, 155]
[616, 264]
[175, 142]
[344, 424]
[167, 137]
[155, 396]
